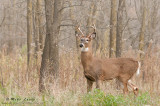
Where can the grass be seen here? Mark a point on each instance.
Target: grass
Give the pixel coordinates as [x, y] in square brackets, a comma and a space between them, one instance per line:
[71, 88]
[99, 98]
[94, 98]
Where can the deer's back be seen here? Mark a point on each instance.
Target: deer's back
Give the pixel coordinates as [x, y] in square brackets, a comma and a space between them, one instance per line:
[106, 69]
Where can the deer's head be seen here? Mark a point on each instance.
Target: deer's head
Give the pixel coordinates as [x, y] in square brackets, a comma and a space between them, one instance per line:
[85, 40]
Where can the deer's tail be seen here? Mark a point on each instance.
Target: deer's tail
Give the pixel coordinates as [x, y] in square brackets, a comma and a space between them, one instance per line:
[138, 70]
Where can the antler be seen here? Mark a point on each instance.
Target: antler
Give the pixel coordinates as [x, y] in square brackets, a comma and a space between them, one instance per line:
[94, 28]
[93, 34]
[80, 30]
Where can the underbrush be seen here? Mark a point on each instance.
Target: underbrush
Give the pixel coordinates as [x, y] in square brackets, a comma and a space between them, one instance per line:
[94, 98]
[99, 98]
[20, 86]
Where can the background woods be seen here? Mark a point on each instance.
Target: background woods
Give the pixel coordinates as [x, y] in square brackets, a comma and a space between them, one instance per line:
[39, 50]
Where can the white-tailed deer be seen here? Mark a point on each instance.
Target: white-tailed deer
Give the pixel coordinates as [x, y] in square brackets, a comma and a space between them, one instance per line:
[96, 69]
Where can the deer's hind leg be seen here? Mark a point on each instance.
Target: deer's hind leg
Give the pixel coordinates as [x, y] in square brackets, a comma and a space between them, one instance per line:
[89, 85]
[97, 84]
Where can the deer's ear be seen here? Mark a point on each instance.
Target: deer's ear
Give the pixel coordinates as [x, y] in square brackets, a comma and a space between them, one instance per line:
[93, 35]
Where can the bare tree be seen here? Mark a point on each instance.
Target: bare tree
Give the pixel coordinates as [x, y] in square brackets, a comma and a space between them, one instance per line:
[45, 57]
[54, 50]
[40, 20]
[142, 33]
[91, 20]
[72, 16]
[37, 46]
[113, 23]
[153, 19]
[119, 27]
[119, 32]
[10, 28]
[50, 57]
[38, 28]
[29, 29]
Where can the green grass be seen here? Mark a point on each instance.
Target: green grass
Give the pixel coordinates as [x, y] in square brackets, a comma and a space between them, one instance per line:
[94, 98]
[99, 98]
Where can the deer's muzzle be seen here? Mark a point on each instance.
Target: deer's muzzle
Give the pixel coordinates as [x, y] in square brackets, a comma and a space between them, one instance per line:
[81, 45]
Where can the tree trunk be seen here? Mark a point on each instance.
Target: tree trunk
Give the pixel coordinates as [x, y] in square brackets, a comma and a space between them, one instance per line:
[142, 33]
[45, 57]
[54, 47]
[113, 23]
[10, 29]
[37, 29]
[45, 60]
[119, 32]
[119, 28]
[29, 30]
[40, 20]
[50, 58]
[73, 19]
[91, 20]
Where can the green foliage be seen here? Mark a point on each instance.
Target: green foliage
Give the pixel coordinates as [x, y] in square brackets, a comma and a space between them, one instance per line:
[98, 98]
[144, 99]
[114, 100]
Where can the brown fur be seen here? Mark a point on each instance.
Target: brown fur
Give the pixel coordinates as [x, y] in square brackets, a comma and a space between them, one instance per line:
[96, 69]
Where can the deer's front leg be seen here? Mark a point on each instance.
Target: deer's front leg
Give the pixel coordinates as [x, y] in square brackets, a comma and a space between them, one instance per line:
[125, 89]
[89, 85]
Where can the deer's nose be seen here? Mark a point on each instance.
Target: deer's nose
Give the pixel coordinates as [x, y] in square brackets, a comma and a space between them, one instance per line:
[81, 45]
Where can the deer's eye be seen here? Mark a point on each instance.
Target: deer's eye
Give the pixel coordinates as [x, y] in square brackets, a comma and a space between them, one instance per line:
[87, 40]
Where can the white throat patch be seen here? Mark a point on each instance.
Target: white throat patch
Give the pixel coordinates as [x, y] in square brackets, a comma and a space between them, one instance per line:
[84, 49]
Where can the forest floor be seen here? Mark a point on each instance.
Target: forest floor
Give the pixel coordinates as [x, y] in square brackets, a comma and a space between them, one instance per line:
[19, 85]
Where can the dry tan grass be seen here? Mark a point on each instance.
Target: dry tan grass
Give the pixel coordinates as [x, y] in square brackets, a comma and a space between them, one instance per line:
[71, 84]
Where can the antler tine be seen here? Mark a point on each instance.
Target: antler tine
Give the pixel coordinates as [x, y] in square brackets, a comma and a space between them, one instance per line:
[94, 32]
[80, 30]
[94, 27]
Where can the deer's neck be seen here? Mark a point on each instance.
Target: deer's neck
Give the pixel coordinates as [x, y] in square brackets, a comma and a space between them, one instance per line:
[86, 58]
